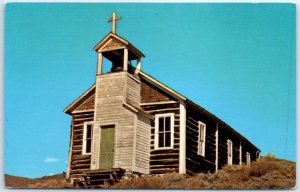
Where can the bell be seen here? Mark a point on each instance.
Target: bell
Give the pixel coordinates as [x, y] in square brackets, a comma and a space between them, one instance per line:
[116, 66]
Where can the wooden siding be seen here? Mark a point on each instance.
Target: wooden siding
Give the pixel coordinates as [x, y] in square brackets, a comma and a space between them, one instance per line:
[150, 94]
[79, 163]
[109, 110]
[142, 145]
[133, 87]
[164, 160]
[112, 44]
[197, 163]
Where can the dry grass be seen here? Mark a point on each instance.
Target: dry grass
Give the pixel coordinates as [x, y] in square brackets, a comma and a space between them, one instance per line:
[55, 181]
[266, 173]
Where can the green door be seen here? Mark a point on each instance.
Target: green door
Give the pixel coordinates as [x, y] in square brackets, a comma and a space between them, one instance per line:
[107, 147]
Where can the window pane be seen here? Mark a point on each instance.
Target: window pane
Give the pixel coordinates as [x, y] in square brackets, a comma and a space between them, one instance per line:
[88, 146]
[89, 131]
[168, 139]
[229, 148]
[203, 129]
[161, 124]
[161, 140]
[201, 134]
[200, 147]
[167, 123]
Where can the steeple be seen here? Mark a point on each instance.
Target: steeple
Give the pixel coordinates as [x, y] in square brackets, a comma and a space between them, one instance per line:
[117, 50]
[113, 21]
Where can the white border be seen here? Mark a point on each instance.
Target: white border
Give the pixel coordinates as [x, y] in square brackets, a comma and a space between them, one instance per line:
[297, 2]
[159, 1]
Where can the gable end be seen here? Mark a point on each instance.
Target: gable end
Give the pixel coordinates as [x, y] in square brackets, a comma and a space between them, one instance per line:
[81, 100]
[87, 105]
[112, 44]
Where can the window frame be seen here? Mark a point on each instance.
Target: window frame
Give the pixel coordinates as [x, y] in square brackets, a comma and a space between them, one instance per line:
[156, 137]
[202, 153]
[229, 151]
[248, 158]
[241, 155]
[84, 138]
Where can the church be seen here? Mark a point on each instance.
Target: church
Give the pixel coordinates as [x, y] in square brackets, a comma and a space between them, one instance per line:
[131, 123]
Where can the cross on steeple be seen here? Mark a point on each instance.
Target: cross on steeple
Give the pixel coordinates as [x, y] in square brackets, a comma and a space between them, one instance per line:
[113, 20]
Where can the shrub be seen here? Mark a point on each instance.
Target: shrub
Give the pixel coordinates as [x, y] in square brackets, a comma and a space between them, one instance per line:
[260, 168]
[265, 173]
[269, 157]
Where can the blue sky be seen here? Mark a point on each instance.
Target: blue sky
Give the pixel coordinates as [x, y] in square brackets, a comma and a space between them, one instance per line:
[235, 60]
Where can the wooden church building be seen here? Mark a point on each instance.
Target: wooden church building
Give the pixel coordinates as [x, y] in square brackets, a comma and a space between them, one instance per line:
[132, 122]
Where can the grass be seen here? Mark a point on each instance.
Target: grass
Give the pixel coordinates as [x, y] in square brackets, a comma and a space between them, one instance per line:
[265, 173]
[55, 181]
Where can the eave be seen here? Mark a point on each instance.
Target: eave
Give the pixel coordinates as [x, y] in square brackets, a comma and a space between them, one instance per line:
[76, 103]
[215, 118]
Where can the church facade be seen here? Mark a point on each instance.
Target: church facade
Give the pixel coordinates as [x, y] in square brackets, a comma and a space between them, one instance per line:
[130, 121]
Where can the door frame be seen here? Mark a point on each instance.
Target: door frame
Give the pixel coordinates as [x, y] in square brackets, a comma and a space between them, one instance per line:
[99, 146]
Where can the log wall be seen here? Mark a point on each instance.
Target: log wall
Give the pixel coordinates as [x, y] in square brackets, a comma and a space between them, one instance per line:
[164, 160]
[224, 134]
[248, 148]
[79, 163]
[222, 147]
[197, 163]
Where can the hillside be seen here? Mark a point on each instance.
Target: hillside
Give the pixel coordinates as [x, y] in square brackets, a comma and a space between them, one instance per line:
[266, 173]
[55, 181]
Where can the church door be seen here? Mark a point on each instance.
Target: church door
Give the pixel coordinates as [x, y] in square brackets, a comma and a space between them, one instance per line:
[107, 147]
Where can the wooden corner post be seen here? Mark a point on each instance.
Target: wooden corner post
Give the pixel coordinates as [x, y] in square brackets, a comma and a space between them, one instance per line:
[99, 65]
[182, 137]
[125, 64]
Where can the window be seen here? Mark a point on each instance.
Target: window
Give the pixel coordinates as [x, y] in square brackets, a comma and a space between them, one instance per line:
[87, 138]
[164, 131]
[229, 152]
[240, 157]
[248, 158]
[201, 138]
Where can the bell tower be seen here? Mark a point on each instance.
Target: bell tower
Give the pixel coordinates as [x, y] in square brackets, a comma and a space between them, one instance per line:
[117, 50]
[117, 102]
